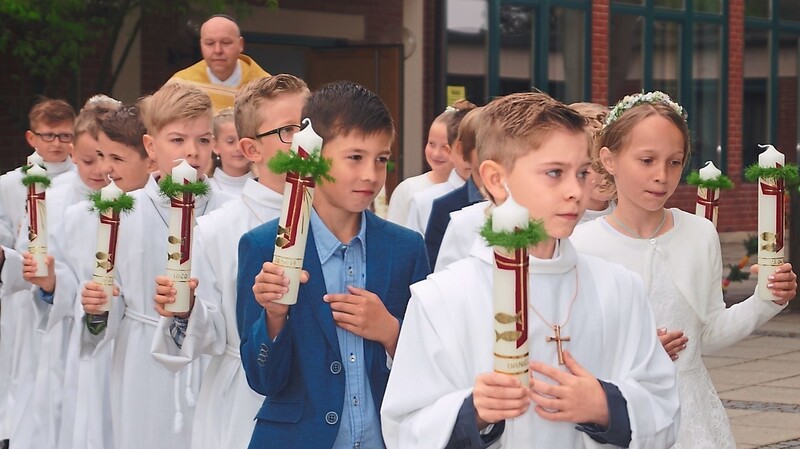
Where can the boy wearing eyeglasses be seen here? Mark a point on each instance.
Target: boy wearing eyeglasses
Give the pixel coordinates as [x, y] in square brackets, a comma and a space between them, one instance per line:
[266, 114]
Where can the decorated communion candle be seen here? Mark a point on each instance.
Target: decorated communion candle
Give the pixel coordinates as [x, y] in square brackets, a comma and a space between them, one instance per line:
[179, 242]
[770, 221]
[107, 232]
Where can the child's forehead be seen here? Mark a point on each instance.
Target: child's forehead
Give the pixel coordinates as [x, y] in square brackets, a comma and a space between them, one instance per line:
[380, 141]
[197, 123]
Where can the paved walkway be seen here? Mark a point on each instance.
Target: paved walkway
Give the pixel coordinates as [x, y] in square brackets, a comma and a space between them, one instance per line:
[758, 380]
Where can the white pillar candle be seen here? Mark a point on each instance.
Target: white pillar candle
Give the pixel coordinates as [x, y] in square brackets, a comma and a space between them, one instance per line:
[37, 221]
[510, 295]
[708, 199]
[105, 255]
[34, 158]
[298, 194]
[179, 242]
[770, 221]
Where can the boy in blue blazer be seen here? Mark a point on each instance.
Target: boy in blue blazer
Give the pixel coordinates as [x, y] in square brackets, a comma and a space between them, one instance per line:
[323, 363]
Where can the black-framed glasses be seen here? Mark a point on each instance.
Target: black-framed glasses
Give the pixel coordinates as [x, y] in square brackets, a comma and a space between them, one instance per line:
[49, 137]
[285, 133]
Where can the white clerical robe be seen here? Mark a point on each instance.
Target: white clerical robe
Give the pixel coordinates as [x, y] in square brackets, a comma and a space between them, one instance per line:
[461, 233]
[419, 210]
[44, 417]
[150, 406]
[226, 407]
[86, 406]
[21, 316]
[400, 200]
[448, 335]
[232, 185]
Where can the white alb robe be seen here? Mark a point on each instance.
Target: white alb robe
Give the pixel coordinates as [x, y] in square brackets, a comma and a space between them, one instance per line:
[419, 210]
[461, 233]
[232, 185]
[448, 335]
[226, 406]
[21, 316]
[400, 200]
[150, 406]
[44, 418]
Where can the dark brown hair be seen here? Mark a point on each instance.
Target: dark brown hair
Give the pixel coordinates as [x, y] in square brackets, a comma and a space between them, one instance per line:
[125, 126]
[344, 107]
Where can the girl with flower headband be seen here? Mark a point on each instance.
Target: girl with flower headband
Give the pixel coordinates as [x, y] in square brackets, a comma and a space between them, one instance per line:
[437, 154]
[643, 149]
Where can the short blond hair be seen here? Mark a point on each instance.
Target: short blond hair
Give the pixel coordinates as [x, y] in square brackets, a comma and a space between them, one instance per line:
[512, 126]
[246, 113]
[173, 102]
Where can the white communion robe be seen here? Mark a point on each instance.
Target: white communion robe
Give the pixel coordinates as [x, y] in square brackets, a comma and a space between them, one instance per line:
[226, 407]
[419, 209]
[150, 406]
[461, 233]
[21, 316]
[400, 200]
[232, 185]
[44, 418]
[86, 406]
[682, 272]
[448, 335]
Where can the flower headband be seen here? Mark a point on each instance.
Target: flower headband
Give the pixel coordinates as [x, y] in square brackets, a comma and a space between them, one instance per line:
[654, 97]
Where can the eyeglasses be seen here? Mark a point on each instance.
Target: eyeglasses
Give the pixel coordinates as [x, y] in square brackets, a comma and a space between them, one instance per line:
[285, 133]
[49, 137]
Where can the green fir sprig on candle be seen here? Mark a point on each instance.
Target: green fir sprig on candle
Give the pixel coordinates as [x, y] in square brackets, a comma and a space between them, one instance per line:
[788, 173]
[314, 166]
[721, 182]
[531, 235]
[124, 203]
[29, 180]
[171, 189]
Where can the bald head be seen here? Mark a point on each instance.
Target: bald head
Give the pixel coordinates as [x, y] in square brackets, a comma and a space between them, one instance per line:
[221, 44]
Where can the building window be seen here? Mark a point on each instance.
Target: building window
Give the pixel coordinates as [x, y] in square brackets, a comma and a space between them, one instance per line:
[497, 47]
[770, 100]
[675, 46]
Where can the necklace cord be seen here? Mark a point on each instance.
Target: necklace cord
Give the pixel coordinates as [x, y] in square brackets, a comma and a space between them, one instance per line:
[636, 234]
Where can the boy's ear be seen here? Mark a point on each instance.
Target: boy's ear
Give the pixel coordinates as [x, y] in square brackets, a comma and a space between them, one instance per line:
[29, 135]
[493, 176]
[149, 146]
[607, 159]
[249, 150]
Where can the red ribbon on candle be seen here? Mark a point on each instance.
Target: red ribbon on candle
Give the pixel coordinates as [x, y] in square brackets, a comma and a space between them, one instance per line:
[186, 204]
[710, 203]
[33, 213]
[777, 191]
[519, 265]
[113, 222]
[299, 185]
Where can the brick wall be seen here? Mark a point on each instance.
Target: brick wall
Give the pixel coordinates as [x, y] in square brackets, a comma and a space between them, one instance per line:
[600, 25]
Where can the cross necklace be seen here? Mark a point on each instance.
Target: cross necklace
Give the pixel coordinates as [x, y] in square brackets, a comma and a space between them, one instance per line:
[557, 338]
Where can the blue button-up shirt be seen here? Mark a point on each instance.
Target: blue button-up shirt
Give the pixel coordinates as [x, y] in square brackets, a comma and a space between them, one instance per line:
[345, 264]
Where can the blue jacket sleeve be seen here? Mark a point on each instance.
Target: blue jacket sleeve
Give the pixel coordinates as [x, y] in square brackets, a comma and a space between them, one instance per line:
[465, 431]
[266, 362]
[618, 432]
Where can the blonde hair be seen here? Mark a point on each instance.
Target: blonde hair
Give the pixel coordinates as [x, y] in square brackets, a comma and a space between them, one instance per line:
[50, 112]
[223, 116]
[512, 126]
[615, 136]
[453, 120]
[246, 110]
[87, 119]
[595, 114]
[173, 102]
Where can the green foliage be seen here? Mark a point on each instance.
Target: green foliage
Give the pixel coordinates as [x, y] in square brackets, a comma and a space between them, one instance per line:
[171, 189]
[788, 173]
[124, 203]
[721, 182]
[533, 234]
[27, 180]
[314, 165]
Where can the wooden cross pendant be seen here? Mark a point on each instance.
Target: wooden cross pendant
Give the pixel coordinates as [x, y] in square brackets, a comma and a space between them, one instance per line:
[558, 339]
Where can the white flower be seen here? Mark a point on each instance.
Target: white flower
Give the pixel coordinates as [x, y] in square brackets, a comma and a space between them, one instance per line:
[636, 99]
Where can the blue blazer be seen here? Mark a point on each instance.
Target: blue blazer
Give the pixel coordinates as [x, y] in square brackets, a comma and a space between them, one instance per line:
[301, 373]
